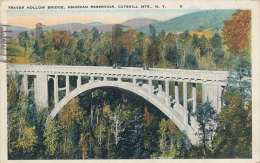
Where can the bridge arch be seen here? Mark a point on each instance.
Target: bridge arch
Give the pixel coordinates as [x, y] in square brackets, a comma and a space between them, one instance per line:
[170, 112]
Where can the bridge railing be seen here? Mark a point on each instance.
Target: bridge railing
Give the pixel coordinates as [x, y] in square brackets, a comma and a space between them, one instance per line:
[156, 73]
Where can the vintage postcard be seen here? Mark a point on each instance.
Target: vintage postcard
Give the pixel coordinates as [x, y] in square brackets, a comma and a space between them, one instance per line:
[129, 81]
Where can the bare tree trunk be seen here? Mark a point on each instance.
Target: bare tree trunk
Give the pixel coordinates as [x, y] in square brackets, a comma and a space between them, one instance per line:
[171, 146]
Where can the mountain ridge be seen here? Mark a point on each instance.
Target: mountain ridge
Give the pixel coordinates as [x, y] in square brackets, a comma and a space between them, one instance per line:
[208, 19]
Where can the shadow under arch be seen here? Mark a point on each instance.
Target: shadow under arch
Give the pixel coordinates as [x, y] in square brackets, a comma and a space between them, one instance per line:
[170, 112]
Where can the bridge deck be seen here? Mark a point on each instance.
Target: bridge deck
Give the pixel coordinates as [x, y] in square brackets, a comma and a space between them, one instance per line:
[195, 76]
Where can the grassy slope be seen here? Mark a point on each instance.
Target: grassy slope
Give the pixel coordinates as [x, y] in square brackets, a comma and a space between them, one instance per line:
[209, 19]
[14, 49]
[15, 53]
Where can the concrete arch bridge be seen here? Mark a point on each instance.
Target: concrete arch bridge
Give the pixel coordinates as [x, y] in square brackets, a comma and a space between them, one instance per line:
[136, 80]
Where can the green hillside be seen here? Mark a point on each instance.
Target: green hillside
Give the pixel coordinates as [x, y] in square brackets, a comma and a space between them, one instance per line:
[17, 28]
[209, 19]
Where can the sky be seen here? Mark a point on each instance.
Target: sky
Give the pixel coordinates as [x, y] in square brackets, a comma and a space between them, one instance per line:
[29, 18]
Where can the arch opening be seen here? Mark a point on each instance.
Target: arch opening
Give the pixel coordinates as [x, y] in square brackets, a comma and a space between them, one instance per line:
[153, 99]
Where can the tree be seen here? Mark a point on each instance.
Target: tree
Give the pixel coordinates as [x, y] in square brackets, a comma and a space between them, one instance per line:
[195, 41]
[75, 34]
[191, 62]
[83, 144]
[174, 56]
[32, 33]
[23, 39]
[162, 131]
[94, 32]
[52, 136]
[129, 38]
[183, 144]
[69, 114]
[205, 113]
[216, 41]
[237, 31]
[123, 58]
[240, 78]
[153, 51]
[36, 48]
[234, 133]
[117, 42]
[120, 118]
[28, 141]
[147, 121]
[12, 91]
[172, 128]
[203, 45]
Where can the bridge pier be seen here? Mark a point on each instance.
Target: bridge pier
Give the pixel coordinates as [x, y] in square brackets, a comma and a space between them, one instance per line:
[150, 86]
[91, 79]
[220, 94]
[194, 96]
[213, 93]
[167, 91]
[185, 103]
[25, 83]
[134, 81]
[176, 88]
[56, 90]
[67, 85]
[41, 90]
[35, 86]
[79, 81]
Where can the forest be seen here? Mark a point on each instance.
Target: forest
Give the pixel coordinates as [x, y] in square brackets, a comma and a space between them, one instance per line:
[111, 123]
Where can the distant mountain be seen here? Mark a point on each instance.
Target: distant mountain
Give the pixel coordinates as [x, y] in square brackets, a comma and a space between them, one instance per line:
[133, 23]
[68, 27]
[209, 19]
[95, 23]
[139, 22]
[17, 28]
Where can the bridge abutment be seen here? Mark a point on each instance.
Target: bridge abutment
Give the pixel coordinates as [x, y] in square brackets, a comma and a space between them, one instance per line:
[213, 93]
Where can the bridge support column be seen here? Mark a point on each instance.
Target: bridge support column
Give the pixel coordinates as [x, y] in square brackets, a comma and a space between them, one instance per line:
[79, 81]
[35, 86]
[25, 83]
[67, 85]
[176, 88]
[185, 103]
[41, 90]
[91, 79]
[167, 91]
[212, 92]
[194, 96]
[220, 92]
[134, 81]
[56, 90]
[150, 86]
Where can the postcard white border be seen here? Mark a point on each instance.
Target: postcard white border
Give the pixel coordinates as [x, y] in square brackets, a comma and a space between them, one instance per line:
[197, 4]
